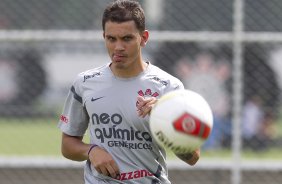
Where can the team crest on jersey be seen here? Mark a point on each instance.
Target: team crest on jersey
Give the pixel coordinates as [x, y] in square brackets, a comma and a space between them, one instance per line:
[148, 93]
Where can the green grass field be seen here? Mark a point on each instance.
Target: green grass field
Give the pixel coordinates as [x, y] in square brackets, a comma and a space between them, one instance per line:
[29, 137]
[41, 137]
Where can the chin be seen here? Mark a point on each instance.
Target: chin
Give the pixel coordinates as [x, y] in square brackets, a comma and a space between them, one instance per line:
[118, 64]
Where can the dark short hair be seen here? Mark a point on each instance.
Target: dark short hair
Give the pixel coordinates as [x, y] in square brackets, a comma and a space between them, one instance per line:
[124, 10]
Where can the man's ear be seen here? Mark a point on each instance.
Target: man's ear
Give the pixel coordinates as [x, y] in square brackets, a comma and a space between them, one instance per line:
[103, 34]
[144, 38]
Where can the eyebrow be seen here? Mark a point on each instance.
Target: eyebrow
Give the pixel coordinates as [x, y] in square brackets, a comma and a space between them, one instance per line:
[127, 35]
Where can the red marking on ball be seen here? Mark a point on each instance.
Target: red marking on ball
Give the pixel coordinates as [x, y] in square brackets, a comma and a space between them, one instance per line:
[191, 125]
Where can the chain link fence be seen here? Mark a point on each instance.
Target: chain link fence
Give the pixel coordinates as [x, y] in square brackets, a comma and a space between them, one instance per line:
[227, 50]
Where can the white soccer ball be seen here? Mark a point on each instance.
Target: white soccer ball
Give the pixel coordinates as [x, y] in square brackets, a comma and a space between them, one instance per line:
[181, 121]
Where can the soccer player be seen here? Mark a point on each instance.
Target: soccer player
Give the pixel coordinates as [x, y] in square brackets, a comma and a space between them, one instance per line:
[114, 101]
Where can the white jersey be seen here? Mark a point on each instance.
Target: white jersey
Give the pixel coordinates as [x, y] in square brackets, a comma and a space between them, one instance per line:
[106, 105]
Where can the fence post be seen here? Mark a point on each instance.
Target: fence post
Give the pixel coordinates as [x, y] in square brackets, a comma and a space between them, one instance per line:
[238, 18]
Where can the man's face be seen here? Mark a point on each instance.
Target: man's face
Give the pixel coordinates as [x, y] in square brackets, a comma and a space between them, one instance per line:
[124, 42]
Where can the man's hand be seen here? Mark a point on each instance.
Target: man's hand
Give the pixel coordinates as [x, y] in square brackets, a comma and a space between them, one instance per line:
[145, 105]
[103, 162]
[190, 158]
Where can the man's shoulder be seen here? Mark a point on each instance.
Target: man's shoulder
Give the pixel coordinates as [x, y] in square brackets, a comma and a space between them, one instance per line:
[164, 77]
[155, 70]
[91, 73]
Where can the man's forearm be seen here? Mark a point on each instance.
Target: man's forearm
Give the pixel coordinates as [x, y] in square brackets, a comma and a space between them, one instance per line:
[190, 158]
[73, 148]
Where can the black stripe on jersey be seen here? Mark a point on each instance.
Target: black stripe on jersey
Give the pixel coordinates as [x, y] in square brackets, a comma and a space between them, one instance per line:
[157, 175]
[75, 95]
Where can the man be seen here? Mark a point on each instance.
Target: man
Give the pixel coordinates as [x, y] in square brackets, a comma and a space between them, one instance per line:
[114, 102]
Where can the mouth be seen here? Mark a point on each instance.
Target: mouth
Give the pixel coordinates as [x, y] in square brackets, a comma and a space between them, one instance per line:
[118, 57]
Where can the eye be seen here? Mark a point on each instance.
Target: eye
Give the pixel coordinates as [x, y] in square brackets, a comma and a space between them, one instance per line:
[110, 38]
[127, 38]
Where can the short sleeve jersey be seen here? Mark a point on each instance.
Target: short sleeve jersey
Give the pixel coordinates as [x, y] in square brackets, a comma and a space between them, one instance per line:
[106, 106]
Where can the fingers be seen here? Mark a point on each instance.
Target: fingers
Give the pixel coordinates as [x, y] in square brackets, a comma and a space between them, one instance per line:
[112, 169]
[145, 105]
[102, 170]
[140, 102]
[107, 170]
[103, 162]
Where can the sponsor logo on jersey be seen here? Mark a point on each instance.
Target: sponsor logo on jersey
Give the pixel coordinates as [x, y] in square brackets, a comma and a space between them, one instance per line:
[159, 80]
[176, 87]
[64, 119]
[115, 136]
[134, 175]
[94, 99]
[91, 76]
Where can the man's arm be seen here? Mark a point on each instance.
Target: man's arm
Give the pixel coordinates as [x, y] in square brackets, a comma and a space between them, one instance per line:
[190, 158]
[74, 148]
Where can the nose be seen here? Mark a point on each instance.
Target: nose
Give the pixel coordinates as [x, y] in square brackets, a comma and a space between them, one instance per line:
[119, 46]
